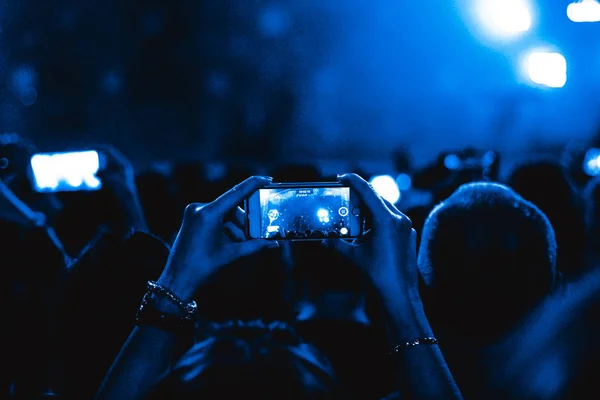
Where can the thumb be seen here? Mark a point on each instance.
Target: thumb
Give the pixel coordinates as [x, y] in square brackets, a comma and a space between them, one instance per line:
[250, 247]
[341, 246]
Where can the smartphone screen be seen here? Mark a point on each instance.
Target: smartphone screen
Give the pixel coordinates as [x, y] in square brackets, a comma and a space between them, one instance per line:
[305, 213]
[68, 171]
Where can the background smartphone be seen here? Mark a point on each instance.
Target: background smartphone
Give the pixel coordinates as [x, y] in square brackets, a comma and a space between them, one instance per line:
[304, 211]
[67, 171]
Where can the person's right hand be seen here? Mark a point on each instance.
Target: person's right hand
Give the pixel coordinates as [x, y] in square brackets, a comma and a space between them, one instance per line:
[118, 172]
[118, 175]
[12, 209]
[387, 252]
[207, 241]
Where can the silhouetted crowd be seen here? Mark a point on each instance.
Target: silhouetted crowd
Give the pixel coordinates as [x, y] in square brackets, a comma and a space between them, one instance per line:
[149, 288]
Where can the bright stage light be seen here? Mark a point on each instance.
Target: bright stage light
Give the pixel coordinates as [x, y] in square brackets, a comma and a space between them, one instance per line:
[548, 69]
[584, 11]
[504, 17]
[386, 187]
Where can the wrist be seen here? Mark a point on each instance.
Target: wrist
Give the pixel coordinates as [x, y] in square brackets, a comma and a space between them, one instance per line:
[407, 321]
[160, 310]
[134, 212]
[394, 289]
[184, 289]
[164, 305]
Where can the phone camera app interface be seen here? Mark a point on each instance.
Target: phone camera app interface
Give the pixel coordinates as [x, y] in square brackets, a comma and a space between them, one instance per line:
[305, 213]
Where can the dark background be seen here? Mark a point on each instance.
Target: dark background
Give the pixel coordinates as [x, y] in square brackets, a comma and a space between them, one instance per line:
[281, 80]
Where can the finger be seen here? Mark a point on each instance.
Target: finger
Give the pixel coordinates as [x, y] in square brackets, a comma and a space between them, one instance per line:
[240, 218]
[233, 232]
[369, 197]
[363, 238]
[413, 246]
[343, 247]
[230, 199]
[112, 161]
[287, 253]
[249, 247]
[411, 259]
[112, 154]
[193, 209]
[393, 209]
[237, 216]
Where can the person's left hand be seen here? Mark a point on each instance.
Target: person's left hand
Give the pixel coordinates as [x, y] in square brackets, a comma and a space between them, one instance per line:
[387, 252]
[210, 238]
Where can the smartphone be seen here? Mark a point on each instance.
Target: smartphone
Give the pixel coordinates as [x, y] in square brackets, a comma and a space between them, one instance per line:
[67, 171]
[304, 211]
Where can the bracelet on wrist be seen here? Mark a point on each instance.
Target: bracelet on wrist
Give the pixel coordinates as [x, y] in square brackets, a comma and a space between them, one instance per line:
[413, 343]
[149, 314]
[160, 290]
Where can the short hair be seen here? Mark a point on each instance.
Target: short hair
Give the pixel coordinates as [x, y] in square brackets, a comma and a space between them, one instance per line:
[547, 184]
[486, 246]
[251, 360]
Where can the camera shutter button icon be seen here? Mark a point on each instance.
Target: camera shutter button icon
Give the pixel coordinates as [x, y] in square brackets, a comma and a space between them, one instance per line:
[343, 211]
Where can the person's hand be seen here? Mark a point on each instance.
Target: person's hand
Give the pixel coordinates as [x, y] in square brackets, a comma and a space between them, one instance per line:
[12, 209]
[118, 175]
[117, 171]
[211, 236]
[387, 252]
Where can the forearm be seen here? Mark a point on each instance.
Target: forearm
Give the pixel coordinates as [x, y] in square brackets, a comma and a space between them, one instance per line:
[133, 211]
[421, 370]
[145, 357]
[143, 360]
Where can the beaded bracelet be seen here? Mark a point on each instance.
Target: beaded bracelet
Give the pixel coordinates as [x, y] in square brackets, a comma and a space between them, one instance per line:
[417, 342]
[156, 288]
[148, 314]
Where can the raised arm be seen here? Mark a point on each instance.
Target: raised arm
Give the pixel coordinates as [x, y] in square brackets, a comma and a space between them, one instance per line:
[387, 254]
[118, 175]
[206, 242]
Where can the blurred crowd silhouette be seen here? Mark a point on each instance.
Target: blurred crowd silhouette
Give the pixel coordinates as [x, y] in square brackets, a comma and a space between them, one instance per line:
[483, 288]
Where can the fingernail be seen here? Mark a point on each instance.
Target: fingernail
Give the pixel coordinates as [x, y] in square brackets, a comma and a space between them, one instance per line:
[326, 244]
[274, 244]
[341, 176]
[267, 178]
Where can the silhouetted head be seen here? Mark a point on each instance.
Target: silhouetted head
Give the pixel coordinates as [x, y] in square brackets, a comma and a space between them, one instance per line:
[555, 352]
[591, 197]
[250, 360]
[489, 256]
[547, 185]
